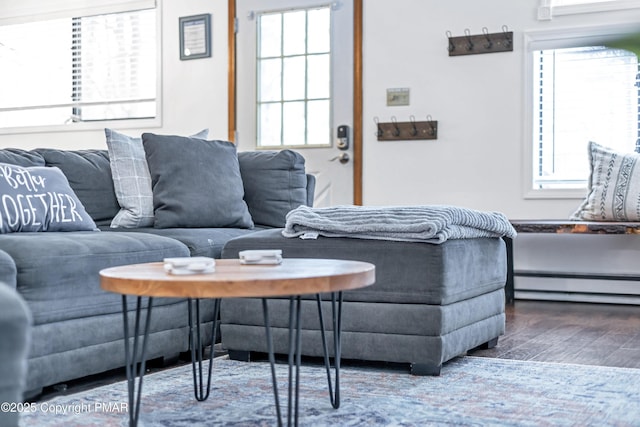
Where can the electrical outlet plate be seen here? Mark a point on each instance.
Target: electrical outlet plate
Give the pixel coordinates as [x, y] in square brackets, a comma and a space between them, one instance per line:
[396, 97]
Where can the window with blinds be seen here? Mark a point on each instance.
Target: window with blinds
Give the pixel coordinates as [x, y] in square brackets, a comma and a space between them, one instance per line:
[581, 94]
[80, 69]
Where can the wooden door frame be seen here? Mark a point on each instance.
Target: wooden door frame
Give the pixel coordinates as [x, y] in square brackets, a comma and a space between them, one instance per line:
[357, 90]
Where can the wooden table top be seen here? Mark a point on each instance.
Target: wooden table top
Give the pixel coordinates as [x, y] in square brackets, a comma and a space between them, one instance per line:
[232, 279]
[577, 227]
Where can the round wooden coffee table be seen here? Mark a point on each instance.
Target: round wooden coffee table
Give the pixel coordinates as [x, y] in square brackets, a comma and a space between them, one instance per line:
[231, 279]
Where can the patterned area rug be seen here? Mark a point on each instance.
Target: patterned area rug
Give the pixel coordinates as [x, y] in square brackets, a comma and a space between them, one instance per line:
[471, 391]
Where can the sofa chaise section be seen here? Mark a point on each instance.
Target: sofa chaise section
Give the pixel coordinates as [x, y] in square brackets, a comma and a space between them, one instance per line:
[430, 303]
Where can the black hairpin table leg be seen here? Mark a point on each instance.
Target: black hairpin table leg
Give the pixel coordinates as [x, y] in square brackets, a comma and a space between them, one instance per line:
[131, 356]
[295, 349]
[295, 353]
[195, 343]
[334, 393]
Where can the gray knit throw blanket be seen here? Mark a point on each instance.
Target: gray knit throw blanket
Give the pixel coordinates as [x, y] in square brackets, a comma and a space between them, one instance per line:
[430, 224]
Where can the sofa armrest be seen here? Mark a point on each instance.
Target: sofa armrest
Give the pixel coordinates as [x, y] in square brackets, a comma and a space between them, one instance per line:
[275, 182]
[8, 270]
[15, 335]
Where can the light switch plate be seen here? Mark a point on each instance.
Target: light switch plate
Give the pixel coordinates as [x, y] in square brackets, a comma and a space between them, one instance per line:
[398, 96]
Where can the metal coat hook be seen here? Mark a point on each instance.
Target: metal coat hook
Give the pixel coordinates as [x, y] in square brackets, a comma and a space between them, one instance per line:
[414, 129]
[378, 128]
[489, 43]
[452, 47]
[432, 125]
[395, 125]
[467, 34]
[508, 36]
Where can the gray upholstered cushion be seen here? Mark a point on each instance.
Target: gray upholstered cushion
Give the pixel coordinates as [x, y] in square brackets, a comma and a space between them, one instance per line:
[39, 198]
[196, 183]
[89, 175]
[406, 272]
[614, 186]
[59, 272]
[274, 183]
[200, 241]
[17, 156]
[131, 179]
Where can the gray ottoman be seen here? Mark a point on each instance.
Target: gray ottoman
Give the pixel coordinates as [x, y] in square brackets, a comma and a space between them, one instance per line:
[15, 323]
[430, 303]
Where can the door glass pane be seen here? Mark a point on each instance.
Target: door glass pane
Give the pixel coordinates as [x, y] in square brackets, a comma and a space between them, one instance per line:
[293, 77]
[294, 123]
[318, 76]
[270, 122]
[294, 87]
[270, 80]
[270, 30]
[318, 122]
[319, 31]
[295, 32]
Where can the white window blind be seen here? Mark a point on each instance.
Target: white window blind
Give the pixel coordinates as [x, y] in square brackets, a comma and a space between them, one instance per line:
[79, 69]
[581, 94]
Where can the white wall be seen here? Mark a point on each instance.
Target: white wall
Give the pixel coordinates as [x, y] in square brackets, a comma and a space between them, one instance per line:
[194, 92]
[478, 101]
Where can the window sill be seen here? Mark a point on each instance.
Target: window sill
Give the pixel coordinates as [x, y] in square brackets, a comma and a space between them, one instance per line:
[87, 126]
[556, 194]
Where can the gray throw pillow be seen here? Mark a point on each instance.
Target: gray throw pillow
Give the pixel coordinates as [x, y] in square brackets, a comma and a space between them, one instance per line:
[89, 176]
[275, 182]
[614, 186]
[196, 183]
[131, 180]
[39, 199]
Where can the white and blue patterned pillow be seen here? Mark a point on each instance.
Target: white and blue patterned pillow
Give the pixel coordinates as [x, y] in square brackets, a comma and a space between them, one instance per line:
[614, 186]
[131, 179]
[39, 198]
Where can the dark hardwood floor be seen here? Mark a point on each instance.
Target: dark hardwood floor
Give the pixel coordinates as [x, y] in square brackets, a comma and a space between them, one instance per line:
[581, 333]
[591, 334]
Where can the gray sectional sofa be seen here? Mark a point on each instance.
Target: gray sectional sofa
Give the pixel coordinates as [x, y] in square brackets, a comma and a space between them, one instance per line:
[77, 327]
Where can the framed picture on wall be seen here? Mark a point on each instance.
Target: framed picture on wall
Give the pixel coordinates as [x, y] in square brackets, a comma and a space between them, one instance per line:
[195, 36]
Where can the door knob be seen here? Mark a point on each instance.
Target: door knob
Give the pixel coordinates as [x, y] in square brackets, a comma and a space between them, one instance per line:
[342, 158]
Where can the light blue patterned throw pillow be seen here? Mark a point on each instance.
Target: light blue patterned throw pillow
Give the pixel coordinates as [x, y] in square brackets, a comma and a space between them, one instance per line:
[614, 186]
[39, 198]
[131, 179]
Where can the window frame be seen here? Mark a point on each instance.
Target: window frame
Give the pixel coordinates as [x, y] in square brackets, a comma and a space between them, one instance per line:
[82, 126]
[547, 11]
[554, 39]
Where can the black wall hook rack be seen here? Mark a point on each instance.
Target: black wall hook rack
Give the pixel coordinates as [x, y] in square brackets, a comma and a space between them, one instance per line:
[403, 131]
[472, 44]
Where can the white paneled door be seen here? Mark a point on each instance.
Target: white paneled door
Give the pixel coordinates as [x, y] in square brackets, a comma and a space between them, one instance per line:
[294, 77]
